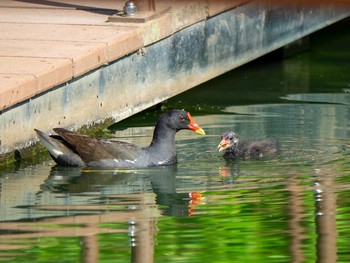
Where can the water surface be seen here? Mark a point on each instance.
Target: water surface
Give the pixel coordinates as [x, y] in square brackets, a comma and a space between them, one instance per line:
[292, 208]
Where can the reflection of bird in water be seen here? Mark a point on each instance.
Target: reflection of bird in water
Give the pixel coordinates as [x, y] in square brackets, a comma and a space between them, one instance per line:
[116, 186]
[248, 149]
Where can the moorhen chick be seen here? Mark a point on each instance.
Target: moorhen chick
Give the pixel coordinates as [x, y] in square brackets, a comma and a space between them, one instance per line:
[71, 149]
[248, 149]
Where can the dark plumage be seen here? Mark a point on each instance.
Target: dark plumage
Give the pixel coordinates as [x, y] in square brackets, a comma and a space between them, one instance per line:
[71, 149]
[253, 149]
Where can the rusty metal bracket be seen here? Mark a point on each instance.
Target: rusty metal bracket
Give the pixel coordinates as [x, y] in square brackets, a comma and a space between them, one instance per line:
[139, 17]
[138, 11]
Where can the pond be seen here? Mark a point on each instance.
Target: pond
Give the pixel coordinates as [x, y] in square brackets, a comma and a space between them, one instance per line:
[292, 208]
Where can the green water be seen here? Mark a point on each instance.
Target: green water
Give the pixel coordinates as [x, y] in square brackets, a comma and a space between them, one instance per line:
[293, 208]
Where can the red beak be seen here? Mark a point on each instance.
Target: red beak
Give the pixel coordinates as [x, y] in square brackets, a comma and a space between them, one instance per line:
[193, 126]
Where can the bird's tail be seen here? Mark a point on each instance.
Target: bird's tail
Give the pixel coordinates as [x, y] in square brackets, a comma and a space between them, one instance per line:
[59, 150]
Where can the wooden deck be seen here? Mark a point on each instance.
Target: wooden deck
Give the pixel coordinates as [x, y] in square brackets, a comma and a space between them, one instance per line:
[47, 43]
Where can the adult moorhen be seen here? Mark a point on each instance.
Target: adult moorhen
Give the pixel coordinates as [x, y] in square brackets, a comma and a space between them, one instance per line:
[71, 149]
[248, 149]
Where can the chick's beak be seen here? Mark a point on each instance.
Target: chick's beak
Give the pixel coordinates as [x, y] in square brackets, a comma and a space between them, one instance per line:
[224, 144]
[193, 126]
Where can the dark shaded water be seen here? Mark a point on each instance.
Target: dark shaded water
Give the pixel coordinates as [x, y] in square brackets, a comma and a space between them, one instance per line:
[294, 208]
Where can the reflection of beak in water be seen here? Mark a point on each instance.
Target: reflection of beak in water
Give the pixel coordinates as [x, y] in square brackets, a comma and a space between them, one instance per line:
[229, 172]
[196, 198]
[224, 171]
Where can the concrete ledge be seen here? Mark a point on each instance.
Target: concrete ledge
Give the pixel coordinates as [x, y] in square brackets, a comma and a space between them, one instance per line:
[15, 88]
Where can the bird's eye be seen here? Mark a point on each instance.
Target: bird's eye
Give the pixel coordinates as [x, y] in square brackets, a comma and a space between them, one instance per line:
[181, 118]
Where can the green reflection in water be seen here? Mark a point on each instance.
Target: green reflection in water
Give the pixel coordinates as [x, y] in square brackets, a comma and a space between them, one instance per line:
[236, 226]
[47, 249]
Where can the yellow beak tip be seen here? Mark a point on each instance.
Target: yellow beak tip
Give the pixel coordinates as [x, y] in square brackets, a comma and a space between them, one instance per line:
[200, 131]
